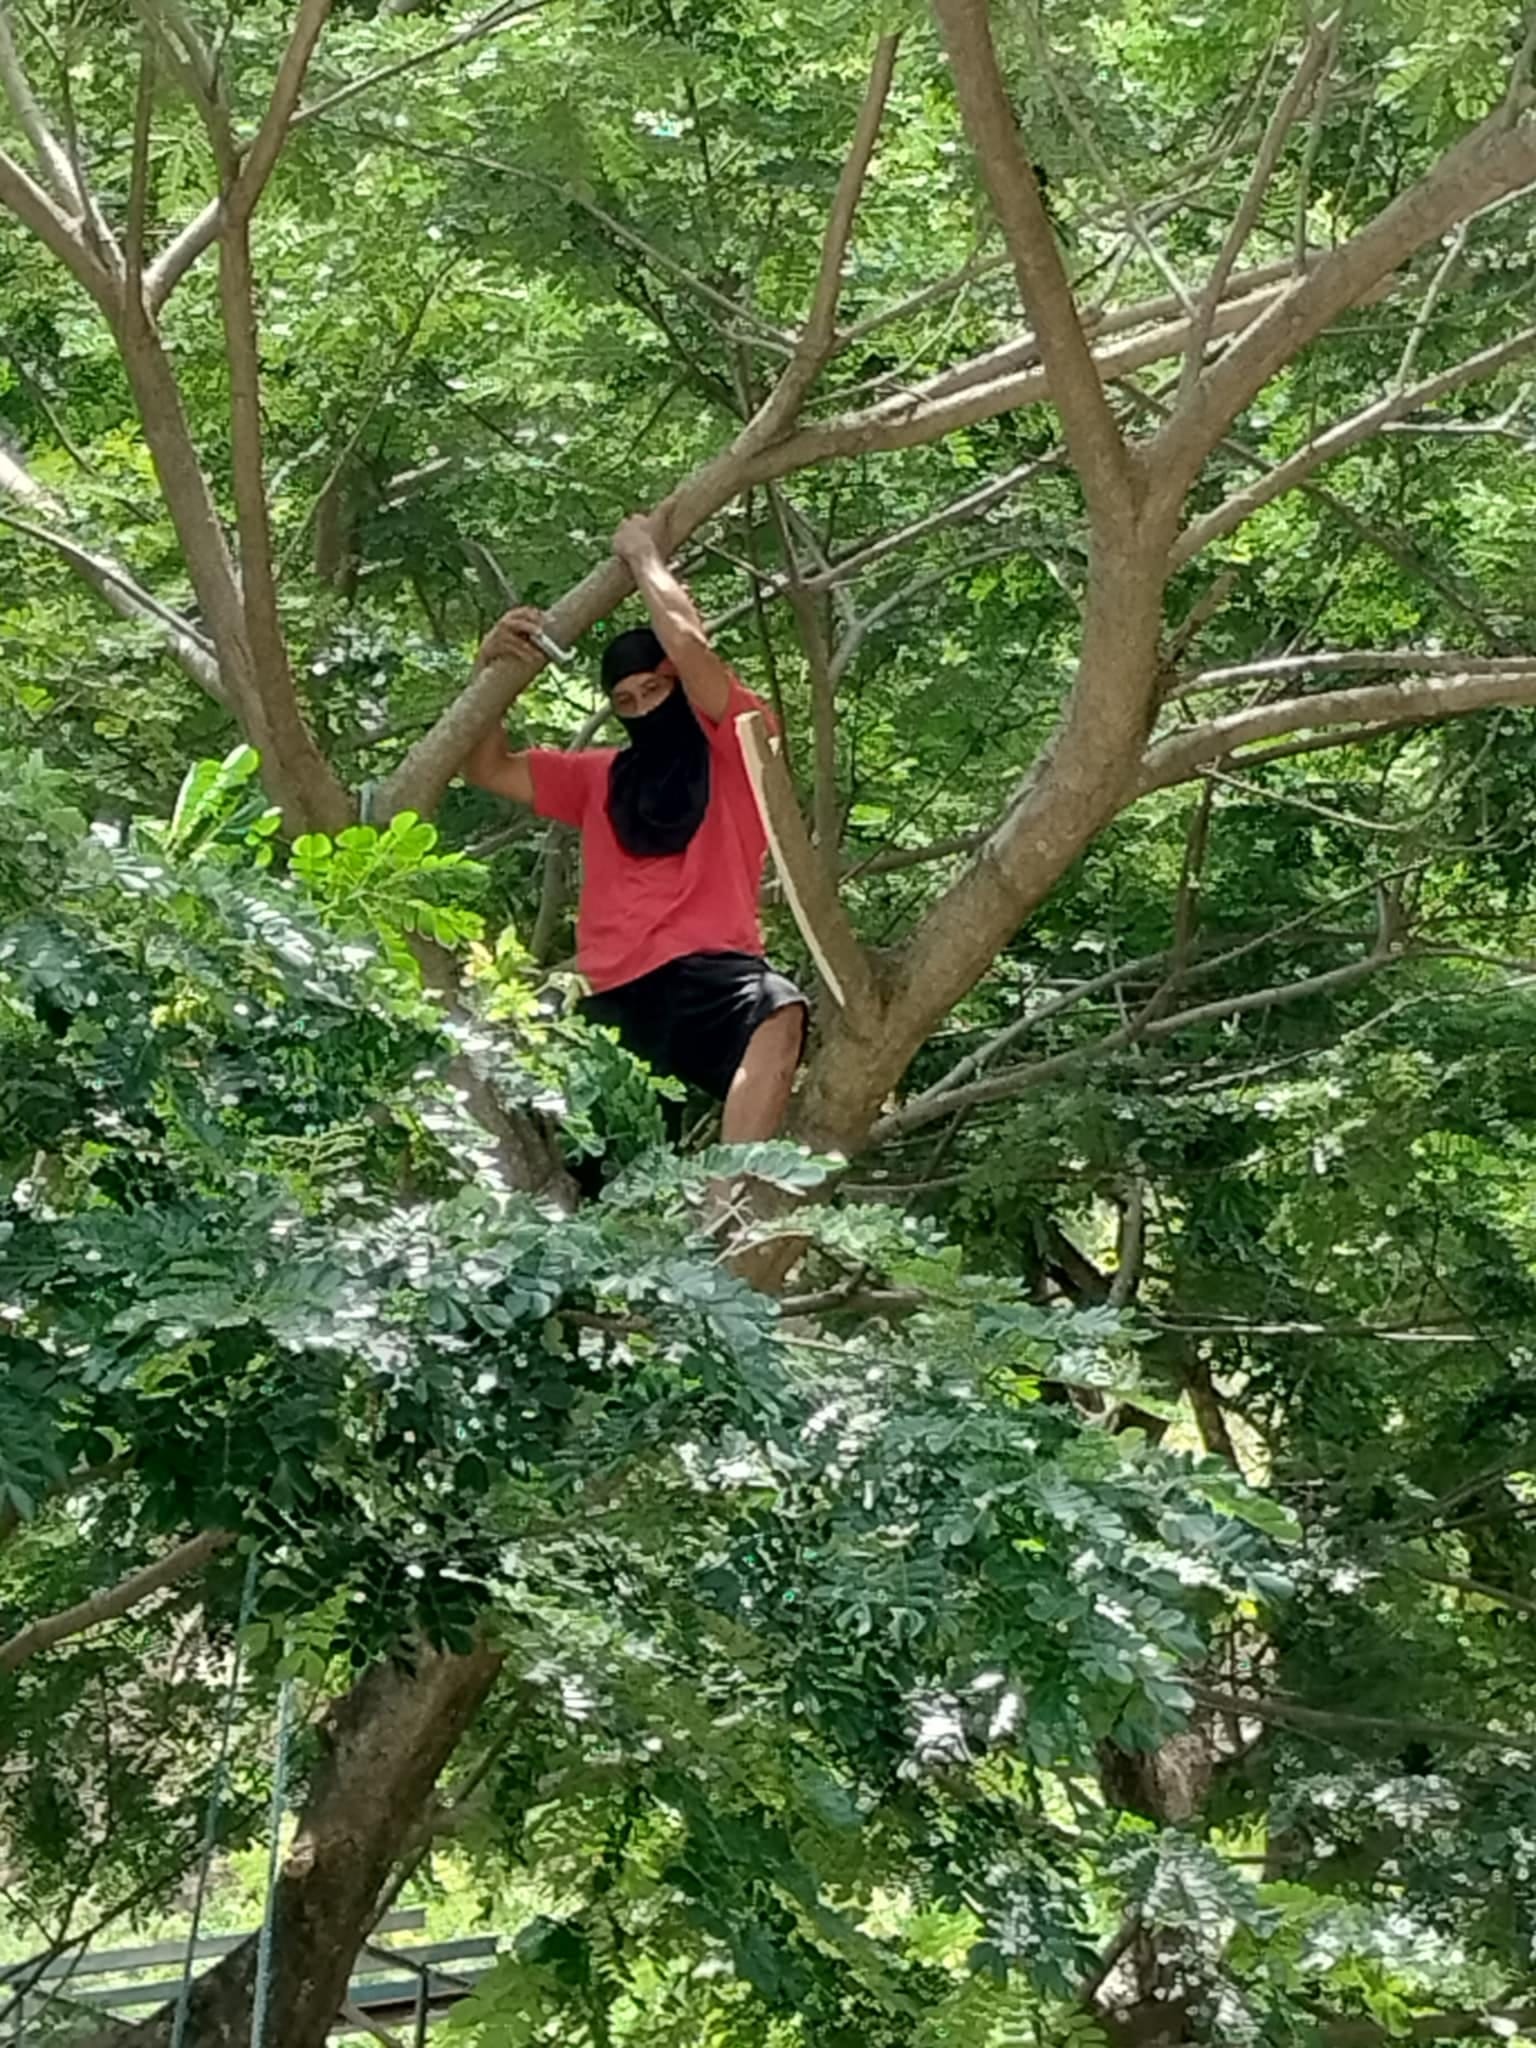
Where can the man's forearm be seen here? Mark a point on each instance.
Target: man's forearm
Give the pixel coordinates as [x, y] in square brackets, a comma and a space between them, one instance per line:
[673, 612]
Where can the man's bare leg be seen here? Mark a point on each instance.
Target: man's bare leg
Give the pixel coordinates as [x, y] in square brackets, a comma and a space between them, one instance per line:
[755, 1104]
[760, 1087]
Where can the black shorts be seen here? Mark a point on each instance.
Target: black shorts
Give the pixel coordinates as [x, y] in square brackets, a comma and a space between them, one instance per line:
[692, 1017]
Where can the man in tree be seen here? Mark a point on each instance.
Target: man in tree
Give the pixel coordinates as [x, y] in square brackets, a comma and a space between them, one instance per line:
[672, 841]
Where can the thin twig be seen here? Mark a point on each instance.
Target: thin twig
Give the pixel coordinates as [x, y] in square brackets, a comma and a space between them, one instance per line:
[1318, 53]
[1444, 271]
[1322, 1721]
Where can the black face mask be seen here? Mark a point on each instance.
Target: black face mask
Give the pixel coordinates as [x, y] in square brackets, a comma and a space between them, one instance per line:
[658, 786]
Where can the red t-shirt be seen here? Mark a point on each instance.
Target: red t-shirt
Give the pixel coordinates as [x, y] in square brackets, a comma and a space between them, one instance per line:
[638, 914]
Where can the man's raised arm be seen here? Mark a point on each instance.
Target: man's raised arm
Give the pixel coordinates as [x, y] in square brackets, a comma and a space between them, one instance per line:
[704, 676]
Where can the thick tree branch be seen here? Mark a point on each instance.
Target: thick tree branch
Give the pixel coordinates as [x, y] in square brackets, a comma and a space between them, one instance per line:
[179, 254]
[139, 1586]
[22, 196]
[383, 1749]
[957, 400]
[1339, 439]
[1352, 661]
[427, 768]
[138, 175]
[1372, 708]
[1099, 455]
[419, 781]
[1495, 159]
[295, 772]
[272, 709]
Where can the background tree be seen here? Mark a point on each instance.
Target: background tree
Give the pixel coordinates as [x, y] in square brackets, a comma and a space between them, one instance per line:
[1213, 1019]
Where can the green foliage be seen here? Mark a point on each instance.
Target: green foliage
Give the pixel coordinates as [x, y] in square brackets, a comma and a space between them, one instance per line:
[850, 1662]
[373, 881]
[256, 1258]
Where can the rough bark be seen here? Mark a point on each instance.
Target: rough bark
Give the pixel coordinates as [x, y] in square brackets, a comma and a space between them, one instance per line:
[1080, 781]
[385, 1745]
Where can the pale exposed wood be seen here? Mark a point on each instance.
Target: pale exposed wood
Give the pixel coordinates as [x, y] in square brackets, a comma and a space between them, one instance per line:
[811, 896]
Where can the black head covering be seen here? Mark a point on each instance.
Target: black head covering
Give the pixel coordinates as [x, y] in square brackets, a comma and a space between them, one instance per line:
[658, 786]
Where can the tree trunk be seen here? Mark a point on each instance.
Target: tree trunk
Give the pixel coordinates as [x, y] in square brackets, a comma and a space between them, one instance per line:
[385, 1746]
[1077, 784]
